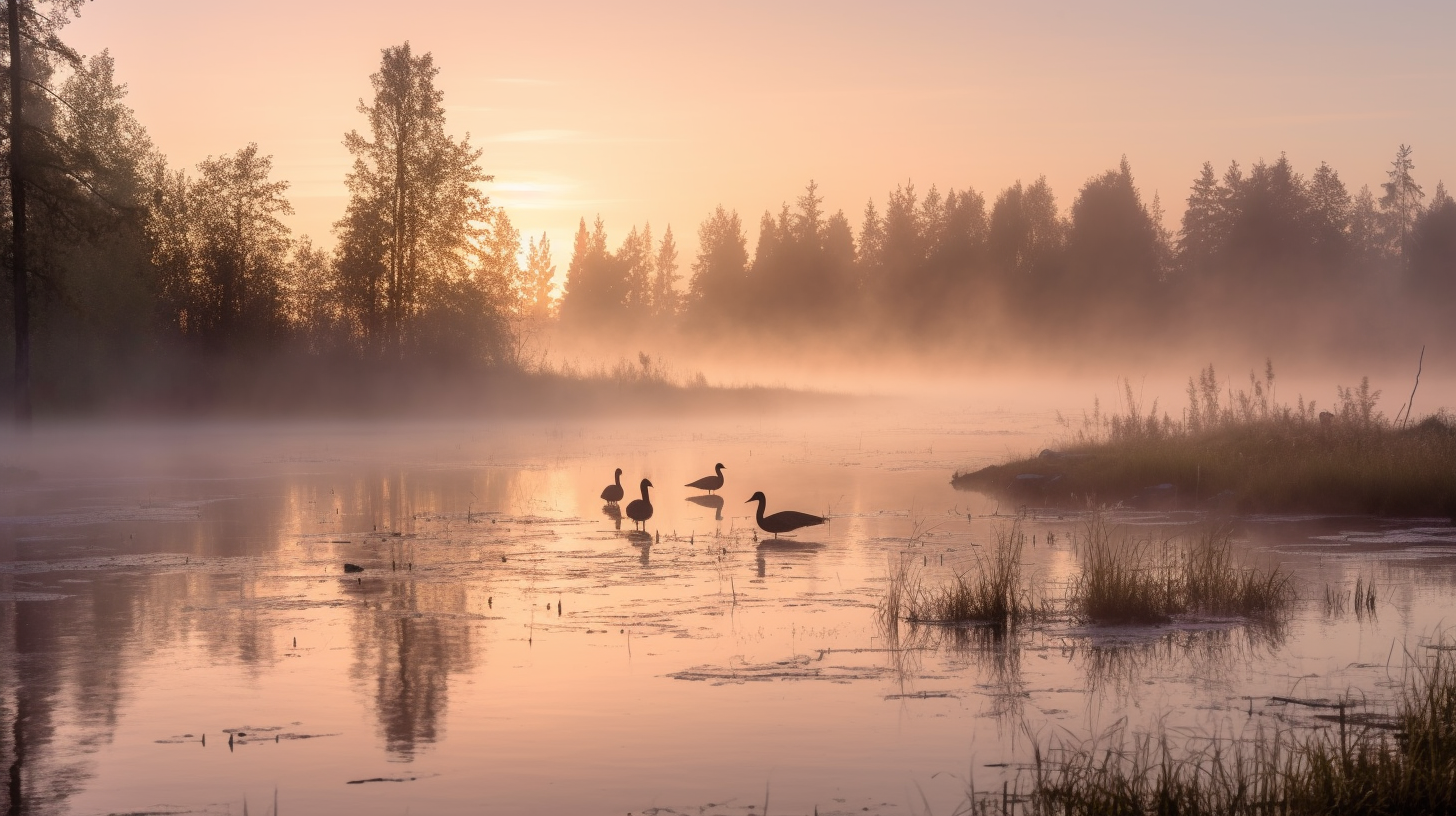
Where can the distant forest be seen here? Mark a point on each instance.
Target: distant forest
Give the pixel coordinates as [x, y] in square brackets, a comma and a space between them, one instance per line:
[128, 273]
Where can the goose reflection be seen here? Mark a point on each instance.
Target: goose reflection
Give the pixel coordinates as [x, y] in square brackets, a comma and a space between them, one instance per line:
[642, 541]
[713, 501]
[613, 512]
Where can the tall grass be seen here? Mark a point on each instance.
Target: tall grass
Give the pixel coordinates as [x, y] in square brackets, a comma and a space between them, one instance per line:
[1245, 450]
[992, 591]
[1400, 762]
[1127, 579]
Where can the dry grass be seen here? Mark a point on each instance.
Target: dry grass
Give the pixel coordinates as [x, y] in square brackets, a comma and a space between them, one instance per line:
[1247, 452]
[1401, 761]
[1130, 579]
[993, 591]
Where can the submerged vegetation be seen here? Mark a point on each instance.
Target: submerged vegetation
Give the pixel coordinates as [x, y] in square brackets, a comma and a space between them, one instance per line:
[1402, 760]
[1242, 450]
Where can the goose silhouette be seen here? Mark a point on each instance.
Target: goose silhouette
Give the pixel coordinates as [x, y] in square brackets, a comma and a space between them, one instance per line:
[784, 521]
[612, 493]
[640, 510]
[709, 483]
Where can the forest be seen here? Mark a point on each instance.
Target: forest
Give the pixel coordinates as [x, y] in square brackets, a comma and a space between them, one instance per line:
[169, 286]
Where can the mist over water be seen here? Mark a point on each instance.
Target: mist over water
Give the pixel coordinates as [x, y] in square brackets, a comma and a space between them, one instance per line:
[332, 523]
[155, 578]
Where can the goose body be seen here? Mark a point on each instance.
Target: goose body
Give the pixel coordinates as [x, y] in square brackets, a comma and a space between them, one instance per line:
[640, 510]
[612, 493]
[784, 521]
[709, 483]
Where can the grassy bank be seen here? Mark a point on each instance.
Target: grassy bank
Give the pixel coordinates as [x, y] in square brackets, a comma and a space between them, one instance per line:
[1243, 451]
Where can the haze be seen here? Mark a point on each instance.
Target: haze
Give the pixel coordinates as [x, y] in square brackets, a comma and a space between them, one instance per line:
[661, 111]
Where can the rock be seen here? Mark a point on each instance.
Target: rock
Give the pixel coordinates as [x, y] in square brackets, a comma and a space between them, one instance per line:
[353, 568]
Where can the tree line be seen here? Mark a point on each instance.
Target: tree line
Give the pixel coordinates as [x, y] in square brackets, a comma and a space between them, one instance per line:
[119, 261]
[123, 266]
[1249, 237]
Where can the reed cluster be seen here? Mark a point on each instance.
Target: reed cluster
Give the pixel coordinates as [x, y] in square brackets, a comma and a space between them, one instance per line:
[1130, 579]
[994, 590]
[1402, 761]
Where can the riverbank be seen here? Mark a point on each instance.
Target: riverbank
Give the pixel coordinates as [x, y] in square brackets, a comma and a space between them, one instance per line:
[1245, 455]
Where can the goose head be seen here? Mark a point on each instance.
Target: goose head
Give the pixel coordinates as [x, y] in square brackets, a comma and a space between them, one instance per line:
[645, 484]
[618, 474]
[756, 497]
[719, 468]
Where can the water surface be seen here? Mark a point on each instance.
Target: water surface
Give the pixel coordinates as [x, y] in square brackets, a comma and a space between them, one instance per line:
[511, 648]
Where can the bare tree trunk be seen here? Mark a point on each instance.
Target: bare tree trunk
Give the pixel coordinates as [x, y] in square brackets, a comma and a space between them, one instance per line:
[18, 270]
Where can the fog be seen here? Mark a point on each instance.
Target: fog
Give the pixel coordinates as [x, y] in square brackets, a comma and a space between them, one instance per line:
[339, 522]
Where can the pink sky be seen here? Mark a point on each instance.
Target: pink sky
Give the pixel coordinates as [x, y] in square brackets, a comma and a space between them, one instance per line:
[660, 111]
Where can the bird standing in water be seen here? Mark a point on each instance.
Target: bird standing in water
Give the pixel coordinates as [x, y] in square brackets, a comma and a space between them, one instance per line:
[784, 521]
[709, 483]
[612, 493]
[640, 510]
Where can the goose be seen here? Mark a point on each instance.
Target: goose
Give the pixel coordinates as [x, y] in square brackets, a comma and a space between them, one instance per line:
[640, 510]
[784, 521]
[709, 483]
[612, 493]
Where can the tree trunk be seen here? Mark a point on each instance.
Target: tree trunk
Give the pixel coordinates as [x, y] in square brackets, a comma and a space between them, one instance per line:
[18, 270]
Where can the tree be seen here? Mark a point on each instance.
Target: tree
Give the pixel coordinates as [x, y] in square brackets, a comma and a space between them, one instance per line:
[720, 272]
[1025, 235]
[311, 298]
[1402, 200]
[539, 274]
[1113, 244]
[222, 251]
[1330, 207]
[597, 282]
[47, 164]
[664, 285]
[1200, 242]
[1432, 256]
[416, 220]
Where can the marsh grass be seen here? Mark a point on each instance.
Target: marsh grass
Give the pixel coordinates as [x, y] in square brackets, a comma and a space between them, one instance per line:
[1401, 761]
[1245, 451]
[1361, 600]
[993, 591]
[1126, 579]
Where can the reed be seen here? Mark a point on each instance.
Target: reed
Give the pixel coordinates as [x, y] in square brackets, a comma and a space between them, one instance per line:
[1245, 452]
[994, 590]
[1126, 579]
[1400, 761]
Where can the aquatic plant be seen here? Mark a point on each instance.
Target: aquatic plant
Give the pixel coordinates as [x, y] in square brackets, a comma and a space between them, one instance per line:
[993, 590]
[1130, 579]
[1361, 600]
[1400, 761]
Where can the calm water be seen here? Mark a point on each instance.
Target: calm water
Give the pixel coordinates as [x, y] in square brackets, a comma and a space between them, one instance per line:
[510, 648]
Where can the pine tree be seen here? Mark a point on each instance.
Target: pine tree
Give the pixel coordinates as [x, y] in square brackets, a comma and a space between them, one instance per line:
[1402, 200]
[664, 285]
[539, 274]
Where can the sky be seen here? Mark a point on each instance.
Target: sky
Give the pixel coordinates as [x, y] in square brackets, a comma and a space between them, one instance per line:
[661, 111]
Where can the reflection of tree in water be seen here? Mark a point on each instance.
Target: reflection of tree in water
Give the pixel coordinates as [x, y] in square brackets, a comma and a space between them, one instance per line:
[409, 637]
[64, 664]
[45, 688]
